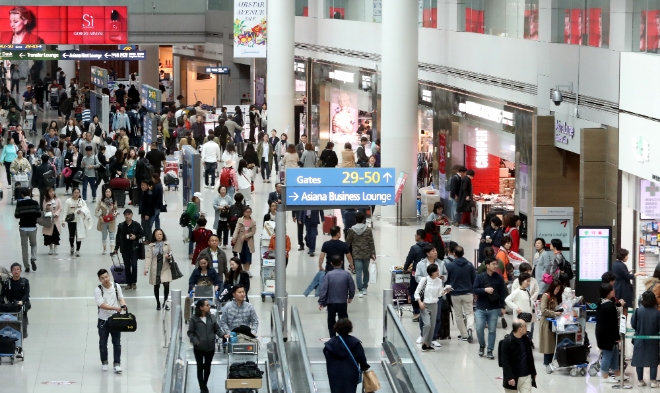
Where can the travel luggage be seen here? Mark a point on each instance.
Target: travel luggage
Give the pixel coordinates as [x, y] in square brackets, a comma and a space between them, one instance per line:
[137, 196]
[8, 345]
[445, 325]
[171, 180]
[122, 322]
[240, 148]
[571, 355]
[44, 127]
[120, 197]
[329, 222]
[118, 270]
[119, 183]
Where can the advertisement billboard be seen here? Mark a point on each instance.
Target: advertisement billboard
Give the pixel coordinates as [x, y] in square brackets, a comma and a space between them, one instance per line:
[250, 28]
[54, 25]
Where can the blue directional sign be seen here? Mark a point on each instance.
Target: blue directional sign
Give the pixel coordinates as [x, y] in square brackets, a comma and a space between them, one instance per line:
[340, 186]
[104, 55]
[217, 70]
[150, 98]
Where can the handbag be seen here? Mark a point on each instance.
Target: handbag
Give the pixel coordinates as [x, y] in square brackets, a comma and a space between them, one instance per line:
[224, 212]
[354, 361]
[46, 220]
[370, 381]
[525, 316]
[71, 217]
[108, 217]
[119, 322]
[547, 278]
[174, 268]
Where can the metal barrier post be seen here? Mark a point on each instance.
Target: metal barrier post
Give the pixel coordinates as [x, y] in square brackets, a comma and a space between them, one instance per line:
[280, 266]
[176, 302]
[388, 298]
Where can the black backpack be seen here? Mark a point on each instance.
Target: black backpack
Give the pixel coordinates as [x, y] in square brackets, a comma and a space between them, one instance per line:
[145, 169]
[184, 220]
[499, 350]
[568, 270]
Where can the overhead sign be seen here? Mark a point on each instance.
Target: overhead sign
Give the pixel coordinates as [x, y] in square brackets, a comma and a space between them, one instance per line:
[250, 28]
[487, 112]
[217, 70]
[100, 77]
[21, 47]
[128, 47]
[150, 98]
[340, 186]
[104, 55]
[29, 55]
[57, 25]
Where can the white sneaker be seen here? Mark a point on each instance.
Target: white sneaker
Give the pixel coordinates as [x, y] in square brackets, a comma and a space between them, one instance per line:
[55, 250]
[104, 367]
[611, 379]
[419, 340]
[104, 252]
[50, 251]
[250, 274]
[77, 253]
[117, 370]
[72, 251]
[654, 384]
[360, 295]
[436, 344]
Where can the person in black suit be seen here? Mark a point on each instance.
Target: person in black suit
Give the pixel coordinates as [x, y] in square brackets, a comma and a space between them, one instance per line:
[311, 220]
[274, 140]
[275, 196]
[38, 177]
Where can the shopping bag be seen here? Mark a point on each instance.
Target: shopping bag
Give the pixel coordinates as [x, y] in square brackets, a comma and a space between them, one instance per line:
[373, 273]
[370, 381]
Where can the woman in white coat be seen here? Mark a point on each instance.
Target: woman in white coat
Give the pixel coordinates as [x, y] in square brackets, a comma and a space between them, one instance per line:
[80, 221]
[52, 205]
[520, 300]
[244, 174]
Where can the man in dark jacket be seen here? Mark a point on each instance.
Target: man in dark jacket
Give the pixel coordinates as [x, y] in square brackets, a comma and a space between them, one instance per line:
[415, 255]
[275, 196]
[198, 131]
[491, 291]
[461, 276]
[147, 209]
[27, 212]
[361, 152]
[129, 241]
[517, 360]
[311, 220]
[38, 180]
[465, 199]
[337, 290]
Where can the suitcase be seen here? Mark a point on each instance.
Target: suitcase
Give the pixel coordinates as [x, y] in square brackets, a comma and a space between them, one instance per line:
[120, 197]
[329, 222]
[118, 270]
[240, 148]
[44, 127]
[119, 183]
[445, 325]
[571, 355]
[136, 196]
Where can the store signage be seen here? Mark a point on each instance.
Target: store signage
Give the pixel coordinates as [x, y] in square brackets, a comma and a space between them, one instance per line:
[343, 76]
[250, 28]
[340, 186]
[426, 96]
[442, 153]
[487, 112]
[29, 55]
[128, 47]
[400, 184]
[649, 201]
[298, 67]
[104, 55]
[366, 82]
[150, 97]
[593, 250]
[56, 25]
[482, 149]
[217, 70]
[641, 149]
[563, 131]
[99, 77]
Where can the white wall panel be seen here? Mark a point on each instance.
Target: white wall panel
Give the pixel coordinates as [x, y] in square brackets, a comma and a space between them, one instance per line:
[632, 130]
[599, 73]
[640, 84]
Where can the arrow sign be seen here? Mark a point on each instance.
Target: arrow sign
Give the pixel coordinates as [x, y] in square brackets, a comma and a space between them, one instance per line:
[387, 177]
[65, 55]
[21, 55]
[339, 196]
[339, 177]
[295, 196]
[106, 55]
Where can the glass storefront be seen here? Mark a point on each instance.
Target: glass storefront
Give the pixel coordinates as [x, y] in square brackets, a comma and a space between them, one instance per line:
[582, 22]
[505, 18]
[196, 84]
[646, 26]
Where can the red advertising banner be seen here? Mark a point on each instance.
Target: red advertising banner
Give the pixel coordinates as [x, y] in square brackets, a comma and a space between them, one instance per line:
[573, 25]
[54, 25]
[595, 26]
[474, 21]
[442, 154]
[430, 18]
[531, 31]
[649, 31]
[337, 13]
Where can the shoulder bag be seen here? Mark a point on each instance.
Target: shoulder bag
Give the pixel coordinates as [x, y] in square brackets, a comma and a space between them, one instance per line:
[46, 220]
[119, 322]
[526, 316]
[251, 184]
[352, 357]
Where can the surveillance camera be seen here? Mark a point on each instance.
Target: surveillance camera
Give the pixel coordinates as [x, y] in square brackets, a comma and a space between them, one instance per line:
[556, 97]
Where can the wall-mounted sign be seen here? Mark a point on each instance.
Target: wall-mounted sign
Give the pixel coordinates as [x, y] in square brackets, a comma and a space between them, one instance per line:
[298, 67]
[482, 149]
[150, 98]
[594, 257]
[99, 77]
[342, 76]
[365, 83]
[487, 112]
[563, 132]
[217, 70]
[128, 47]
[55, 25]
[649, 198]
[427, 96]
[250, 28]
[641, 148]
[555, 223]
[104, 55]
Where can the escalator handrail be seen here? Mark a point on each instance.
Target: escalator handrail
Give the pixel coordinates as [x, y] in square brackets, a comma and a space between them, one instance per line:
[172, 353]
[281, 353]
[296, 326]
[411, 349]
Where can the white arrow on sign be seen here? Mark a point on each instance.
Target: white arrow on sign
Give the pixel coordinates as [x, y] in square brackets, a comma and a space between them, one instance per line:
[387, 177]
[295, 196]
[106, 55]
[21, 55]
[65, 55]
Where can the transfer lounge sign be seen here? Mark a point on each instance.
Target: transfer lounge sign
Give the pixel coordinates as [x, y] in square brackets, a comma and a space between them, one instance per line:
[250, 28]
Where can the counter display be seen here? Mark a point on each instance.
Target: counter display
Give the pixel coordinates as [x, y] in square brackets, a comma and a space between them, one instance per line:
[486, 203]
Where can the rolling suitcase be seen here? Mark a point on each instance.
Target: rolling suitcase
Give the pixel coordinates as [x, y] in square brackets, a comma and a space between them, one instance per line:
[118, 270]
[119, 183]
[137, 196]
[240, 148]
[329, 222]
[572, 355]
[445, 325]
[44, 127]
[120, 197]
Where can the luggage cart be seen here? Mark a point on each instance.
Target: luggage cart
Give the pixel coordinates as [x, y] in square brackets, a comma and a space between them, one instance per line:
[204, 292]
[241, 353]
[11, 326]
[399, 281]
[574, 331]
[267, 270]
[19, 180]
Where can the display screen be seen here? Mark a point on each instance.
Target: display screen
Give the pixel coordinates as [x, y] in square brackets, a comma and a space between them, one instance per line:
[649, 30]
[53, 25]
[593, 253]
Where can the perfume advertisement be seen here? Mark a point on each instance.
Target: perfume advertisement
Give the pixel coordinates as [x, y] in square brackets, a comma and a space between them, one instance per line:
[54, 25]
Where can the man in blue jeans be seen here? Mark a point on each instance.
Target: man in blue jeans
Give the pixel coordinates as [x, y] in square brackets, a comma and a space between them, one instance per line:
[109, 300]
[491, 291]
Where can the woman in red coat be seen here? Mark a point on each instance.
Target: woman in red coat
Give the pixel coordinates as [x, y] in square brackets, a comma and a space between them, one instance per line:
[512, 230]
[21, 21]
[200, 237]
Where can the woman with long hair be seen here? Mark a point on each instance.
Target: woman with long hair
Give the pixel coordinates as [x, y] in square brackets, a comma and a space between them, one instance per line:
[9, 154]
[347, 156]
[250, 155]
[236, 275]
[651, 284]
[230, 153]
[548, 339]
[433, 237]
[82, 220]
[21, 23]
[235, 212]
[187, 140]
[329, 157]
[71, 129]
[41, 148]
[158, 194]
[51, 234]
[106, 211]
[244, 174]
[290, 157]
[646, 353]
[221, 205]
[116, 164]
[308, 157]
[157, 261]
[202, 331]
[243, 238]
[130, 162]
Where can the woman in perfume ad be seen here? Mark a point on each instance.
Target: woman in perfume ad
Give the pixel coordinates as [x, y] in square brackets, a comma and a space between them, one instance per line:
[22, 22]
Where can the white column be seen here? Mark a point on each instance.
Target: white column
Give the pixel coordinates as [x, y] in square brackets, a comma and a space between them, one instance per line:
[176, 76]
[68, 66]
[399, 97]
[148, 69]
[280, 82]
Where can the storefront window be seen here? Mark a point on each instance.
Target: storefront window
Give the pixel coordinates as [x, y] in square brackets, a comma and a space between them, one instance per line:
[582, 22]
[302, 8]
[347, 9]
[428, 10]
[646, 26]
[200, 86]
[221, 5]
[506, 18]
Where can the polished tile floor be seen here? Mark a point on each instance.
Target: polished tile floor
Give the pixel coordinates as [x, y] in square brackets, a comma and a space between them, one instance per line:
[63, 343]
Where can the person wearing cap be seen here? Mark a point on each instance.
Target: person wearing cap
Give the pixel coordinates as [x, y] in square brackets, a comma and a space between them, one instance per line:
[192, 211]
[89, 164]
[129, 240]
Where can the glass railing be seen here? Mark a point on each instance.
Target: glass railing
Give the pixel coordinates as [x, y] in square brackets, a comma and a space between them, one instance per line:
[284, 373]
[301, 357]
[175, 365]
[404, 363]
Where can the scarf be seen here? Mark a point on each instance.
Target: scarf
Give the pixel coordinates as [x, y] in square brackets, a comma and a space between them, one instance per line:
[108, 202]
[158, 248]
